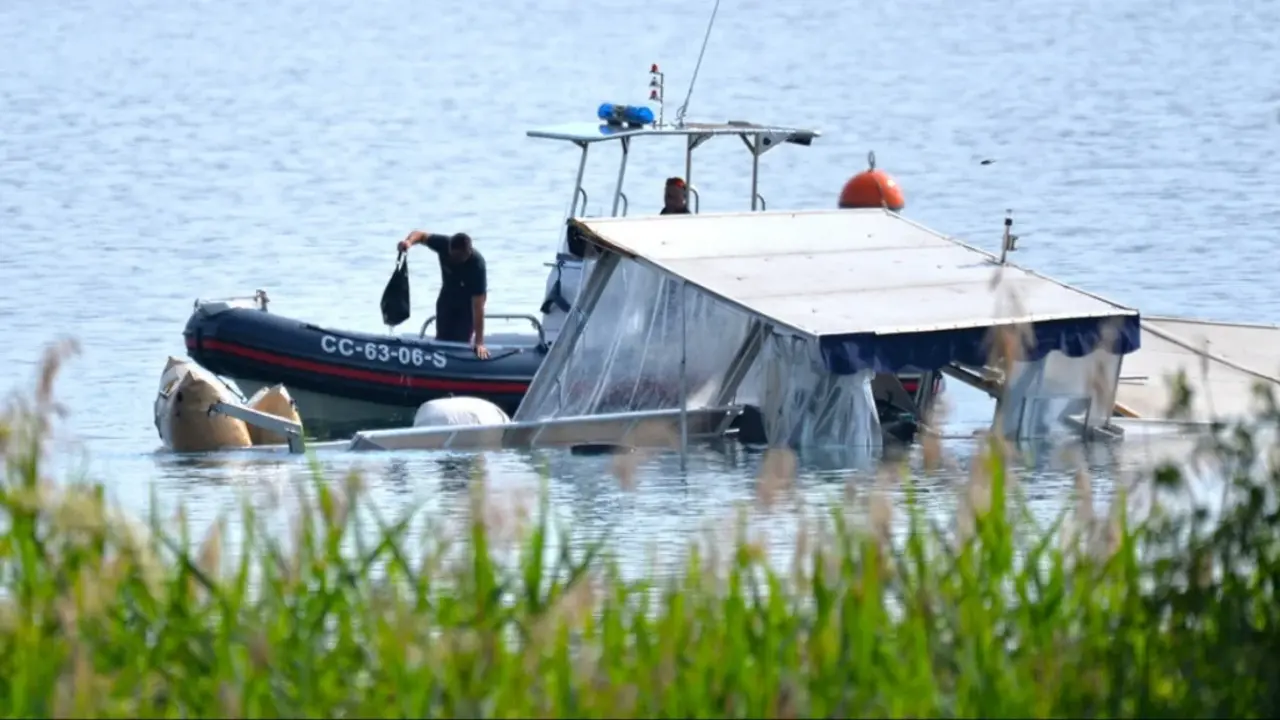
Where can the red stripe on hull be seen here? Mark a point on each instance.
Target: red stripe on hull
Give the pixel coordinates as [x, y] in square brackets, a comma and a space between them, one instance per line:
[349, 373]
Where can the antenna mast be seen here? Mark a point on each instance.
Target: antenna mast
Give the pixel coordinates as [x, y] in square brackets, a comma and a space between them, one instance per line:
[684, 107]
[1009, 242]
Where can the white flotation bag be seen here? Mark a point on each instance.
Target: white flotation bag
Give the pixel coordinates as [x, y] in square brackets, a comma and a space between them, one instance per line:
[273, 400]
[459, 412]
[182, 410]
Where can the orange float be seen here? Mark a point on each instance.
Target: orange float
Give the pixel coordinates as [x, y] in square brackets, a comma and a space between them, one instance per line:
[872, 188]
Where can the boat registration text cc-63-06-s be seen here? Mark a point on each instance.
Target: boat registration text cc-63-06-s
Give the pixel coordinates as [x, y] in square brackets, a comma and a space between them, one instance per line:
[375, 352]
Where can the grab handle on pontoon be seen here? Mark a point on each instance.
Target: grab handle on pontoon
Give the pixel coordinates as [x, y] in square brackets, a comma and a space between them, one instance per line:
[762, 204]
[258, 298]
[625, 203]
[542, 336]
[583, 193]
[697, 199]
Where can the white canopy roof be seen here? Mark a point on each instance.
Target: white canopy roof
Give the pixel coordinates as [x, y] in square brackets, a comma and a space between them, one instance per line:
[841, 272]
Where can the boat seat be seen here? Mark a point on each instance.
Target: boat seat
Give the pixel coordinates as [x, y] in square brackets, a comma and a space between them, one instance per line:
[575, 241]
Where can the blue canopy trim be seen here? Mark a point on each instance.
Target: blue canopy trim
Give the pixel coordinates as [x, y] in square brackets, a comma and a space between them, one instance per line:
[919, 352]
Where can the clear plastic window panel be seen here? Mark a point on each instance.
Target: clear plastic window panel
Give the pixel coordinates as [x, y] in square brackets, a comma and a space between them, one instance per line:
[628, 359]
[1059, 395]
[804, 405]
[628, 355]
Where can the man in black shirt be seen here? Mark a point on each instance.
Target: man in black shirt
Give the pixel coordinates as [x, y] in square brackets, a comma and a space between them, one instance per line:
[463, 287]
[675, 198]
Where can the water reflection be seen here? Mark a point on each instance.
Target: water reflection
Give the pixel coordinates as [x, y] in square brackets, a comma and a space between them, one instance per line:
[215, 467]
[396, 479]
[647, 508]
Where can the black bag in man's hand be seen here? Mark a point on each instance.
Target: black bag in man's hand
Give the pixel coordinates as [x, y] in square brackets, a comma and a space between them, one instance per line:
[395, 299]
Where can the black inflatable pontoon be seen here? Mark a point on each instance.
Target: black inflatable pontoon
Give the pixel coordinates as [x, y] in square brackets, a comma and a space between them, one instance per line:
[400, 372]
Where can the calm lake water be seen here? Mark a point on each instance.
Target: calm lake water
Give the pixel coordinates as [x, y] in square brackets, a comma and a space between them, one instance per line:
[154, 152]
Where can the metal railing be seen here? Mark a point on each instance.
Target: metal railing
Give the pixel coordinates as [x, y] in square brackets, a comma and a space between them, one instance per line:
[291, 431]
[644, 428]
[542, 335]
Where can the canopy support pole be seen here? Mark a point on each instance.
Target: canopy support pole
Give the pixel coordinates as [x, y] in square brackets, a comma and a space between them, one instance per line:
[684, 381]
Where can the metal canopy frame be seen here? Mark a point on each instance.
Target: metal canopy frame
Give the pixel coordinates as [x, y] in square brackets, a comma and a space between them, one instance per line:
[291, 431]
[757, 138]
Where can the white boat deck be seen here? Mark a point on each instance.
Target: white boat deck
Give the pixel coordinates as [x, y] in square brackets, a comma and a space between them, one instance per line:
[1222, 362]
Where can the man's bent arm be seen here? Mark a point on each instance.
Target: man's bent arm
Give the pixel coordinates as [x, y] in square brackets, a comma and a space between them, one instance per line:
[477, 315]
[435, 241]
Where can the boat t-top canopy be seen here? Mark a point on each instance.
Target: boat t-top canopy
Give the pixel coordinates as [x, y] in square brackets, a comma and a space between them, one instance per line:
[875, 290]
[621, 123]
[758, 138]
[585, 132]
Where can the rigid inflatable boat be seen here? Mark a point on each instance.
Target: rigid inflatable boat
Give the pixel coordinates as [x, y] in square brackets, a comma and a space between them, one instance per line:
[343, 381]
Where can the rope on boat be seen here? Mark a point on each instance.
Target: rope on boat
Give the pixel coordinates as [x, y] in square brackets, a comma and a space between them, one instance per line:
[684, 107]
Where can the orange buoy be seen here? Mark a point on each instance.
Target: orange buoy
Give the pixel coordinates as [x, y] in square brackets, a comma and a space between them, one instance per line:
[872, 188]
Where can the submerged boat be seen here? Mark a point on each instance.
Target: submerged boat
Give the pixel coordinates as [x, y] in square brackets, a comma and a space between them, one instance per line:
[343, 381]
